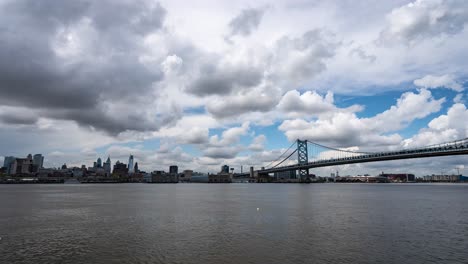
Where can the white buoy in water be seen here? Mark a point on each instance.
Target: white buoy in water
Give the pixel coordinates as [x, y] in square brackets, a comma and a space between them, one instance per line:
[258, 209]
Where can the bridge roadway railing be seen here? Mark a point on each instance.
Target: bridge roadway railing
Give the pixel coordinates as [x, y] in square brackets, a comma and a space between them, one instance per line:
[434, 151]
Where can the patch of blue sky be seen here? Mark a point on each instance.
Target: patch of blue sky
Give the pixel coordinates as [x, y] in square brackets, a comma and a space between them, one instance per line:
[195, 110]
[275, 139]
[191, 150]
[373, 105]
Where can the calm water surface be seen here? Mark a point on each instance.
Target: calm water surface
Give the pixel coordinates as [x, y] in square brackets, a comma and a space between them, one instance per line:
[234, 223]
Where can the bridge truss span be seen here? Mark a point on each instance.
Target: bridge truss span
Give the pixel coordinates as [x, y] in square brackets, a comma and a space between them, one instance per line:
[323, 156]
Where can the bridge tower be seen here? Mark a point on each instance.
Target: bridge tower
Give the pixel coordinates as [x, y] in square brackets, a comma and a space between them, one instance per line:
[303, 158]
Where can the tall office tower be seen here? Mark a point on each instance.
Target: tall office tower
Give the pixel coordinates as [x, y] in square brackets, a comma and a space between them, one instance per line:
[7, 163]
[107, 165]
[99, 163]
[38, 160]
[173, 169]
[136, 167]
[130, 164]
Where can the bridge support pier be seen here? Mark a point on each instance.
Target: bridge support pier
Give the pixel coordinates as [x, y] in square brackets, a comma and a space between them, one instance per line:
[303, 158]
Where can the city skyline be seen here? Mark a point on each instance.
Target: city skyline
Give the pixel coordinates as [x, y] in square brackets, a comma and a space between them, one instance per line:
[235, 84]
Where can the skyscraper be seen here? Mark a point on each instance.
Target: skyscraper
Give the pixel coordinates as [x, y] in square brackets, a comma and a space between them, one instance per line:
[38, 160]
[99, 163]
[173, 169]
[7, 163]
[107, 166]
[136, 167]
[131, 168]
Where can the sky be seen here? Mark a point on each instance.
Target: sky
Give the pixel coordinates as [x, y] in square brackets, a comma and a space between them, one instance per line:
[205, 83]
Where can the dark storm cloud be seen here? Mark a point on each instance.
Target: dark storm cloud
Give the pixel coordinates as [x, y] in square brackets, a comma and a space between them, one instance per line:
[113, 124]
[24, 118]
[224, 80]
[246, 22]
[108, 70]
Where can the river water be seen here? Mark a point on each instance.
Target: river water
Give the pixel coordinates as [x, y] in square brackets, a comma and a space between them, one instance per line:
[234, 223]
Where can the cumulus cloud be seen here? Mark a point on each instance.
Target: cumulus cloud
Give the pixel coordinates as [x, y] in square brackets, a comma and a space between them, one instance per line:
[227, 146]
[256, 100]
[80, 63]
[437, 81]
[345, 129]
[361, 53]
[221, 153]
[311, 104]
[258, 143]
[444, 128]
[246, 22]
[230, 136]
[196, 135]
[409, 107]
[300, 59]
[17, 116]
[341, 130]
[172, 64]
[424, 19]
[224, 79]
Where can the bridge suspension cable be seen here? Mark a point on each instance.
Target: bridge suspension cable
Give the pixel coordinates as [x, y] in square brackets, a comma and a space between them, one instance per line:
[282, 154]
[284, 159]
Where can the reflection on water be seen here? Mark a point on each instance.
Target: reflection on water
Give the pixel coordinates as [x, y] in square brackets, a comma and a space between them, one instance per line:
[234, 223]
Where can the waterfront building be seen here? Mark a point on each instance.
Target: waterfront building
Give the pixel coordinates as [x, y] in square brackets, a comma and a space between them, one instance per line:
[286, 175]
[173, 169]
[162, 177]
[7, 163]
[77, 172]
[445, 178]
[120, 169]
[399, 177]
[131, 167]
[21, 166]
[225, 168]
[186, 176]
[199, 177]
[220, 177]
[38, 160]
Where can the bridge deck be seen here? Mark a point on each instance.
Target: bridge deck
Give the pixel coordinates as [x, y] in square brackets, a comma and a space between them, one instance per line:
[397, 155]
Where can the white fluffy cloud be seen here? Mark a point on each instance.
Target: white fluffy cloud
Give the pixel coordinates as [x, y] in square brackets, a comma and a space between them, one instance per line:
[345, 129]
[426, 18]
[311, 104]
[446, 80]
[448, 127]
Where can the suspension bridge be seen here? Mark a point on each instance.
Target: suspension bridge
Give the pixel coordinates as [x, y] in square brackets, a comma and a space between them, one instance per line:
[313, 155]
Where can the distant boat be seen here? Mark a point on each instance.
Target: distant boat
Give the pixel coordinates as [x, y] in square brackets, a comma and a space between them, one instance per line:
[71, 181]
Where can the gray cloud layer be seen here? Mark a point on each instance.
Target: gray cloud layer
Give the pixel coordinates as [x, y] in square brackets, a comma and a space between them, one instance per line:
[222, 80]
[246, 22]
[75, 59]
